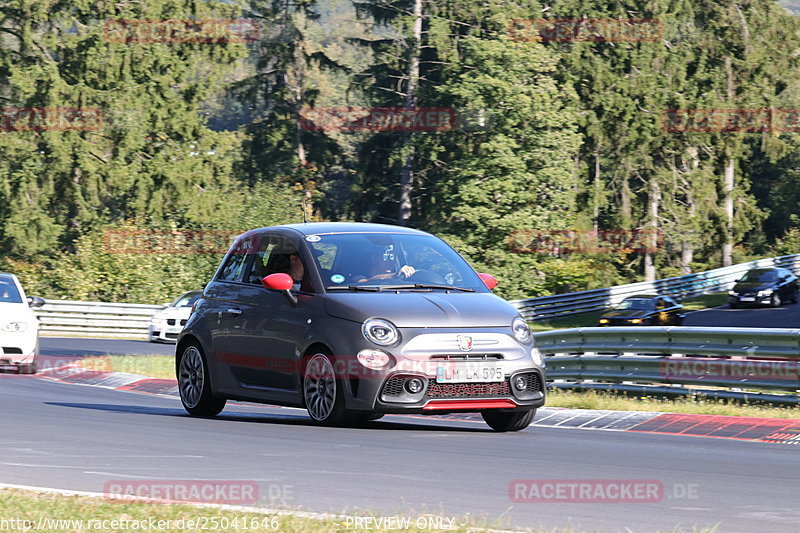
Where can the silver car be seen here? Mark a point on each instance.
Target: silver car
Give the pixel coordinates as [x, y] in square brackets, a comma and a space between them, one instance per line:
[353, 321]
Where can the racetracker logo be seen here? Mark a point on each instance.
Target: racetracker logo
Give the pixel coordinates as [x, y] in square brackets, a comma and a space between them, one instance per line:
[560, 242]
[217, 31]
[585, 30]
[704, 369]
[167, 242]
[211, 491]
[378, 119]
[586, 491]
[50, 119]
[752, 120]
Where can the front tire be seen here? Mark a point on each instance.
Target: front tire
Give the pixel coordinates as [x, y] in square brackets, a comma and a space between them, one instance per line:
[323, 392]
[194, 384]
[775, 301]
[504, 421]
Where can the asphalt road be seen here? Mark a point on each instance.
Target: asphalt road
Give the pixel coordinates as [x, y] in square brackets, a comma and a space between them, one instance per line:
[786, 316]
[68, 346]
[73, 437]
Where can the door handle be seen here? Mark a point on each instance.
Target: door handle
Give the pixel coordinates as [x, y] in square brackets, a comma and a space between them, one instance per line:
[234, 312]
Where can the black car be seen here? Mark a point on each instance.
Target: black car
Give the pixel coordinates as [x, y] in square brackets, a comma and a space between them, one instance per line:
[764, 286]
[352, 321]
[644, 310]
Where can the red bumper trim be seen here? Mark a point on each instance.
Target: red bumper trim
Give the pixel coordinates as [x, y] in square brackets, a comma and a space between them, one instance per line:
[441, 405]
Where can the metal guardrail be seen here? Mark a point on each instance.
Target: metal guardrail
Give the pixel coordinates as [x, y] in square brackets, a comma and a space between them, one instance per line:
[65, 318]
[744, 364]
[710, 281]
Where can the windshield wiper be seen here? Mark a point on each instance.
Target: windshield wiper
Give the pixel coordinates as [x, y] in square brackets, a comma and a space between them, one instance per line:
[424, 286]
[370, 288]
[381, 288]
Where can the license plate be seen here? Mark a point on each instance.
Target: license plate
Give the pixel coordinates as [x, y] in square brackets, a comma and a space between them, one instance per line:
[747, 299]
[175, 329]
[469, 373]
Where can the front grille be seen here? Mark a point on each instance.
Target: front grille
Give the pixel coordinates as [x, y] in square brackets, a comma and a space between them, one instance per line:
[467, 390]
[183, 322]
[10, 349]
[393, 387]
[170, 321]
[466, 356]
[171, 335]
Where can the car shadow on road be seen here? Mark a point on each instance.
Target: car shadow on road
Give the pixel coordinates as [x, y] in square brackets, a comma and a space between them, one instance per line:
[262, 418]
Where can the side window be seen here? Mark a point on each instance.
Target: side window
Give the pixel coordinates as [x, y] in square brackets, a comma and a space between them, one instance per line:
[277, 254]
[235, 263]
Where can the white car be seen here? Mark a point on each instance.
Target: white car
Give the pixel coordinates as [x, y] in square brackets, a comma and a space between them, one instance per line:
[167, 323]
[19, 327]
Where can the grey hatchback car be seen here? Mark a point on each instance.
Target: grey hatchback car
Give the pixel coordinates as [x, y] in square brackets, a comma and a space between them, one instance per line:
[353, 321]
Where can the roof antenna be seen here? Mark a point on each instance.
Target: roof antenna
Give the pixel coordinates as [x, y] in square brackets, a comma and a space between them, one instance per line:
[305, 211]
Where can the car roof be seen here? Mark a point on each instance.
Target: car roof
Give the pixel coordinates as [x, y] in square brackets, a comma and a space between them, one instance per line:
[314, 228]
[643, 296]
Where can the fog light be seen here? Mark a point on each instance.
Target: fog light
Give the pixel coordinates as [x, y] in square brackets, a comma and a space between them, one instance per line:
[520, 383]
[414, 385]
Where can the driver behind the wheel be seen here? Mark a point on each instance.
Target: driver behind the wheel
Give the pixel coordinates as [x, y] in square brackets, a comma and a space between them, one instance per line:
[385, 267]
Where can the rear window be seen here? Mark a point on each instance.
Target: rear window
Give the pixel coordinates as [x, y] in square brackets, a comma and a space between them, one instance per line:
[9, 292]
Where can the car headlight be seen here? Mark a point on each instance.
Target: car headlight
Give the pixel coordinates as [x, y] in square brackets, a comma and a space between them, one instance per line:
[603, 321]
[636, 321]
[380, 331]
[157, 321]
[732, 293]
[521, 330]
[15, 327]
[372, 358]
[767, 292]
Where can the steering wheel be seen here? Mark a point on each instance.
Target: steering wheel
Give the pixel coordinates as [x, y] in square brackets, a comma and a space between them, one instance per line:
[427, 276]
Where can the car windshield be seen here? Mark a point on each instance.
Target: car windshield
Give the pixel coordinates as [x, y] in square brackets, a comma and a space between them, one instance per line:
[637, 303]
[8, 291]
[761, 275]
[396, 260]
[186, 300]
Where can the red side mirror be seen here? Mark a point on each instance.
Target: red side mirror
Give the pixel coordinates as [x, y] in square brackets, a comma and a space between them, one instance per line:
[278, 282]
[488, 280]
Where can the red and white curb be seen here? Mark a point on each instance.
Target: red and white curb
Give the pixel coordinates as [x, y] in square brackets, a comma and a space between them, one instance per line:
[773, 430]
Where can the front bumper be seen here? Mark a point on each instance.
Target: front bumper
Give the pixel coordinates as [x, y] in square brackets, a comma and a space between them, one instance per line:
[19, 354]
[164, 333]
[424, 356]
[750, 299]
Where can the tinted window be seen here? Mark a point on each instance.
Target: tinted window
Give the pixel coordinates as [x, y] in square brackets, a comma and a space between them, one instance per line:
[273, 255]
[8, 291]
[637, 303]
[385, 258]
[761, 275]
[236, 260]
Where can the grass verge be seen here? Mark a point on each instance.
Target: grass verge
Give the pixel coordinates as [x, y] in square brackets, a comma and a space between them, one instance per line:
[701, 406]
[53, 512]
